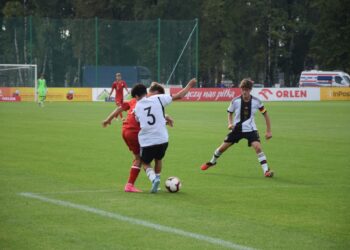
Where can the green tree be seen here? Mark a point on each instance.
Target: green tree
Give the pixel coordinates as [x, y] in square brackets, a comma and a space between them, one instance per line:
[330, 44]
[12, 33]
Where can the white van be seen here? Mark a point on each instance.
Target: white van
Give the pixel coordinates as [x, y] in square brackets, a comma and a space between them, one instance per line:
[316, 78]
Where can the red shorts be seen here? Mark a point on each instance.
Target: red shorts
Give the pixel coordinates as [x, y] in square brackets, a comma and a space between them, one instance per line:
[119, 101]
[131, 139]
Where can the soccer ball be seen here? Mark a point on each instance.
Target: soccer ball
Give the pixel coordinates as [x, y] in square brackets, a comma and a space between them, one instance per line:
[173, 184]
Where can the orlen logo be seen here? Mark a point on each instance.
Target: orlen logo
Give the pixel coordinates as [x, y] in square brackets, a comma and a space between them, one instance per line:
[265, 93]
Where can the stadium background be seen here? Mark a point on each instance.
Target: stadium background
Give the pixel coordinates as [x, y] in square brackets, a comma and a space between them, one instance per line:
[61, 152]
[88, 52]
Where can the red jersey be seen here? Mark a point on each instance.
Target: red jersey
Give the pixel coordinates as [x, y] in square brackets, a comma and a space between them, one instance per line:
[119, 88]
[130, 122]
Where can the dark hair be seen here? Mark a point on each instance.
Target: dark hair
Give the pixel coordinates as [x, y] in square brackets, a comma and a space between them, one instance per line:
[156, 87]
[139, 90]
[246, 84]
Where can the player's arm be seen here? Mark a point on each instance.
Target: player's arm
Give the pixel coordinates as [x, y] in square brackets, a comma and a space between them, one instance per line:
[230, 110]
[268, 134]
[109, 119]
[111, 92]
[185, 90]
[229, 120]
[169, 120]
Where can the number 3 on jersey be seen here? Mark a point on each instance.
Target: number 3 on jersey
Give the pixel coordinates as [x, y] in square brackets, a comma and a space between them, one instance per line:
[153, 118]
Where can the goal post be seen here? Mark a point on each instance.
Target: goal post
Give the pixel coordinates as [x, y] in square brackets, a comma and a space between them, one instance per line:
[19, 75]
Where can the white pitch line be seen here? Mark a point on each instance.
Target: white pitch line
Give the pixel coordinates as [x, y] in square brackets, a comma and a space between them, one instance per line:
[80, 191]
[172, 230]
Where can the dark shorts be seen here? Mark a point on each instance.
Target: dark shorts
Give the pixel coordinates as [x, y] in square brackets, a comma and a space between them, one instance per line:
[234, 137]
[150, 153]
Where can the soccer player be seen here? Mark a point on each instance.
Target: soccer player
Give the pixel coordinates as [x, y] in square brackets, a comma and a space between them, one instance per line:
[244, 107]
[42, 90]
[119, 85]
[153, 136]
[130, 132]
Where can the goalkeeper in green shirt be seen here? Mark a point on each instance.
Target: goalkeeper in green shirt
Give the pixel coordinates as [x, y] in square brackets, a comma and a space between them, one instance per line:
[42, 90]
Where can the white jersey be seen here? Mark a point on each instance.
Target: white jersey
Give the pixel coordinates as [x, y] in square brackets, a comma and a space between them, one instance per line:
[245, 112]
[149, 111]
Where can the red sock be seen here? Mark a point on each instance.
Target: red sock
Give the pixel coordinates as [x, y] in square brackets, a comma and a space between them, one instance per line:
[134, 172]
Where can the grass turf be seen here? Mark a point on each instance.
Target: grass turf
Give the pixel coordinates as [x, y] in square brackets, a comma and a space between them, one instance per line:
[63, 148]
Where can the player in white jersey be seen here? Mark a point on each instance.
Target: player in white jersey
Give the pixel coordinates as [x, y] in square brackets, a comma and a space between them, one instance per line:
[244, 107]
[153, 136]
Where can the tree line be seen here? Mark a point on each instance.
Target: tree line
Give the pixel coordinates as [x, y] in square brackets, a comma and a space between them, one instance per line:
[271, 41]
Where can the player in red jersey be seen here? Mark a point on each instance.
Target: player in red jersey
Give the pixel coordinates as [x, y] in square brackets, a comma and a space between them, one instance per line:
[130, 130]
[119, 85]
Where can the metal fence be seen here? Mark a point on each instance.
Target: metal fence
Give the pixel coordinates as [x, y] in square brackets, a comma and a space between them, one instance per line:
[88, 52]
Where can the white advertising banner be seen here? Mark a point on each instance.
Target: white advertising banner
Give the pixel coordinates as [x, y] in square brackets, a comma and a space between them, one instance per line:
[101, 94]
[287, 94]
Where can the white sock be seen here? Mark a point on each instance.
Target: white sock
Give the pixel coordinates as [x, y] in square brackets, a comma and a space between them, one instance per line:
[263, 162]
[216, 155]
[150, 174]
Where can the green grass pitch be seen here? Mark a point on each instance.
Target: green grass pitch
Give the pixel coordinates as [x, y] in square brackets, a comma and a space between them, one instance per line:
[61, 152]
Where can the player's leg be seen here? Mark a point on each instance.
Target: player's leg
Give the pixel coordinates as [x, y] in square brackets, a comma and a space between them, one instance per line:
[133, 174]
[160, 151]
[43, 100]
[261, 158]
[147, 155]
[134, 170]
[219, 151]
[231, 138]
[40, 100]
[149, 171]
[131, 140]
[119, 104]
[158, 164]
[151, 176]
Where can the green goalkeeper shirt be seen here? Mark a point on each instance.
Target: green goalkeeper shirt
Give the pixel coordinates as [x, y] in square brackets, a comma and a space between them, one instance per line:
[42, 87]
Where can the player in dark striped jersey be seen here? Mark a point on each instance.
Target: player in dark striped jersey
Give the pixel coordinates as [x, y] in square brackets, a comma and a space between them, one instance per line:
[242, 125]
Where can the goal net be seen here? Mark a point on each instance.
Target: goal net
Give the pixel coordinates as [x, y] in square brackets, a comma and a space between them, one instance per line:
[19, 76]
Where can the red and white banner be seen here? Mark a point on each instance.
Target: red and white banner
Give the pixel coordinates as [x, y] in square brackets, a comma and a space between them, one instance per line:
[264, 94]
[209, 94]
[287, 94]
[10, 98]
